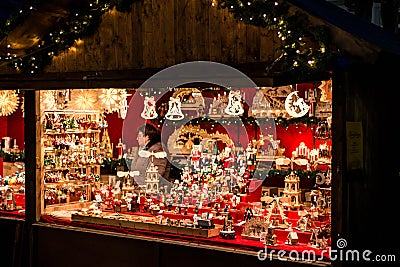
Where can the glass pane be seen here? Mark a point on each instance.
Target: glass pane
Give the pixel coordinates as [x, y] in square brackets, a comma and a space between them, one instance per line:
[244, 167]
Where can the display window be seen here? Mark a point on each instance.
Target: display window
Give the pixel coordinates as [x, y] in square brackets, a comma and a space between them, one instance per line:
[12, 157]
[245, 168]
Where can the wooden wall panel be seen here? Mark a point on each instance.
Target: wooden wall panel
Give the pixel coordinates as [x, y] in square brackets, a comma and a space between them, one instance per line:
[161, 33]
[252, 50]
[241, 42]
[123, 37]
[107, 58]
[203, 39]
[215, 27]
[181, 17]
[168, 30]
[267, 48]
[135, 40]
[148, 39]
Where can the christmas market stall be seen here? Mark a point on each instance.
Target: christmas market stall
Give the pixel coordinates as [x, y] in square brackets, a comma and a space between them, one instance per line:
[255, 141]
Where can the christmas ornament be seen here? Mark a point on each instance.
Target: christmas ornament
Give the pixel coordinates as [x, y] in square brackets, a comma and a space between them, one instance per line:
[48, 100]
[295, 105]
[174, 110]
[112, 98]
[234, 106]
[23, 106]
[8, 102]
[83, 100]
[260, 107]
[109, 99]
[149, 110]
[123, 109]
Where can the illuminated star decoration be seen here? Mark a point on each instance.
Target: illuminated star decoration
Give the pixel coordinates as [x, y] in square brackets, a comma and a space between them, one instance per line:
[8, 102]
[48, 100]
[114, 100]
[83, 100]
[109, 98]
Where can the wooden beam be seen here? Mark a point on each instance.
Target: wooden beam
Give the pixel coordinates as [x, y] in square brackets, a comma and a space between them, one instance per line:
[136, 77]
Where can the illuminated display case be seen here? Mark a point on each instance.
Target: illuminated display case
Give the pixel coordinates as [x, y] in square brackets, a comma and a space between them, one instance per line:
[253, 179]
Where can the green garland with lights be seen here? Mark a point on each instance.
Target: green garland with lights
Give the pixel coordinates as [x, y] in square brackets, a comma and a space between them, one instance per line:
[305, 120]
[81, 22]
[280, 121]
[298, 54]
[302, 174]
[12, 156]
[296, 33]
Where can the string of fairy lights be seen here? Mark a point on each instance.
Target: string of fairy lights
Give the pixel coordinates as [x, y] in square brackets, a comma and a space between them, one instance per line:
[297, 51]
[82, 21]
[304, 47]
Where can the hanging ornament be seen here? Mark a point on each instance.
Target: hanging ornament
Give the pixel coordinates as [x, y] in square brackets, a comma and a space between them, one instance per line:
[83, 100]
[295, 105]
[123, 108]
[149, 110]
[23, 106]
[174, 110]
[260, 107]
[234, 106]
[48, 100]
[109, 99]
[8, 102]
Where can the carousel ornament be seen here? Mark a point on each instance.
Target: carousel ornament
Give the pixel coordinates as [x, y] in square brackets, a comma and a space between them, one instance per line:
[149, 110]
[260, 107]
[234, 106]
[8, 102]
[174, 110]
[295, 105]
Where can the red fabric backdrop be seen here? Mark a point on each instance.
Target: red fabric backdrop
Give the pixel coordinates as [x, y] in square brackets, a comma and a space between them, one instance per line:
[290, 136]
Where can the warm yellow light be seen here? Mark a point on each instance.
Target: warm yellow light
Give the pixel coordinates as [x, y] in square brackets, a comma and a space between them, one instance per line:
[8, 102]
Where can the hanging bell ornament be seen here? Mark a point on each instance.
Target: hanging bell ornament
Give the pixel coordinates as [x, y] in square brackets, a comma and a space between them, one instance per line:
[174, 112]
[149, 110]
[234, 106]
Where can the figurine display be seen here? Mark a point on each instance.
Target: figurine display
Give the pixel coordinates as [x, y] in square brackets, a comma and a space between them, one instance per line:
[195, 157]
[271, 239]
[215, 193]
[228, 231]
[292, 238]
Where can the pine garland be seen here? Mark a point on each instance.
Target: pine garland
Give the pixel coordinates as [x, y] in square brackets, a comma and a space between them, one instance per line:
[298, 36]
[81, 22]
[298, 54]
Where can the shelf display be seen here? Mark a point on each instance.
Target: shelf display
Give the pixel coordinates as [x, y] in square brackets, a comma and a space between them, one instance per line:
[220, 191]
[74, 146]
